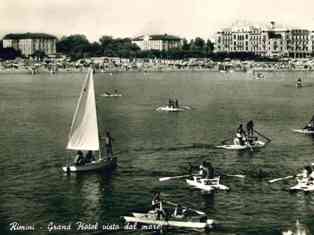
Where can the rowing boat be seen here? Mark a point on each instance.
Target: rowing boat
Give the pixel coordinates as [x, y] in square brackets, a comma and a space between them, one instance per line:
[169, 109]
[150, 218]
[304, 186]
[303, 131]
[111, 95]
[256, 144]
[208, 185]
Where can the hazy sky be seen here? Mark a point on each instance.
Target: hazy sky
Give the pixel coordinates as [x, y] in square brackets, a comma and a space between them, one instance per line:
[128, 18]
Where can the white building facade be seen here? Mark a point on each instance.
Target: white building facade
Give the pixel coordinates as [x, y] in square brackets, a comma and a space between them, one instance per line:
[29, 43]
[274, 43]
[163, 42]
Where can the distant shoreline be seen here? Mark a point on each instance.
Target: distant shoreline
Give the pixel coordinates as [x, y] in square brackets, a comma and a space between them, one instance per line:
[61, 71]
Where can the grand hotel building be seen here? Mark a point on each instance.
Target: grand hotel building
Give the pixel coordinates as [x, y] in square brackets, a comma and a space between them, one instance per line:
[295, 43]
[28, 43]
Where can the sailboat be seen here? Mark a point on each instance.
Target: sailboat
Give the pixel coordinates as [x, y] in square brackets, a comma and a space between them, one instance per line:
[83, 136]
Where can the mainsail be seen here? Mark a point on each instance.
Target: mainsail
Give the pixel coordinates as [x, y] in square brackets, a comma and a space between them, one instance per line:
[84, 130]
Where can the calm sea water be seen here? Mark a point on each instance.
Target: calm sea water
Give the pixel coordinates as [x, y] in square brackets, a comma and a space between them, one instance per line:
[36, 113]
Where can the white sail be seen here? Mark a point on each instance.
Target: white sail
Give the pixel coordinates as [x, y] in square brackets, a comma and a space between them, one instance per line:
[84, 130]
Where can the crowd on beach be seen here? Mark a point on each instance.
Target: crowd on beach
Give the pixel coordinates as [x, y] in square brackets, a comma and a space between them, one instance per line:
[112, 64]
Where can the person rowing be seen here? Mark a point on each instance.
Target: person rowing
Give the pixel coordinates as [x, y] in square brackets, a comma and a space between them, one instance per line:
[306, 176]
[240, 136]
[157, 206]
[310, 125]
[206, 170]
[176, 104]
[299, 83]
[171, 103]
[250, 128]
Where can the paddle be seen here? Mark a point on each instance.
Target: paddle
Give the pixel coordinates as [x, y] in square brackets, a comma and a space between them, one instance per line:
[173, 177]
[196, 211]
[279, 179]
[238, 176]
[268, 139]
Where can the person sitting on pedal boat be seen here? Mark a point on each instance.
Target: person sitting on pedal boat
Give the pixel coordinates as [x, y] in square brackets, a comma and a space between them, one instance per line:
[206, 170]
[156, 200]
[240, 135]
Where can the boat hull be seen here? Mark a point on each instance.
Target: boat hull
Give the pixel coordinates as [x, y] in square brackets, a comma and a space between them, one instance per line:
[303, 131]
[111, 95]
[146, 219]
[169, 109]
[102, 164]
[206, 187]
[302, 187]
[257, 144]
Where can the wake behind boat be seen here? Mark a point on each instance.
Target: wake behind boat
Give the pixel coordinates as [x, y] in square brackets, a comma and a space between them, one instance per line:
[83, 136]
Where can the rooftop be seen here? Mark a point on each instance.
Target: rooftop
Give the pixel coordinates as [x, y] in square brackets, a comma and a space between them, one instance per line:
[164, 37]
[28, 36]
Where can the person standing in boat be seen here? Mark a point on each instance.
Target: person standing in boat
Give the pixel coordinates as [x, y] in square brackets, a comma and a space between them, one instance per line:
[108, 144]
[241, 135]
[250, 128]
[176, 103]
[170, 104]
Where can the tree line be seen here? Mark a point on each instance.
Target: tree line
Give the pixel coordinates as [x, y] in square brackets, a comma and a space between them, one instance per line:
[77, 46]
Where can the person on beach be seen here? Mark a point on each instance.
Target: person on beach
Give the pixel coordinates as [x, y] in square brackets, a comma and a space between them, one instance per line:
[108, 144]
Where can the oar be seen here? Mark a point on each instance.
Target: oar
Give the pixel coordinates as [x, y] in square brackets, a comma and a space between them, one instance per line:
[279, 179]
[238, 176]
[257, 132]
[196, 211]
[173, 177]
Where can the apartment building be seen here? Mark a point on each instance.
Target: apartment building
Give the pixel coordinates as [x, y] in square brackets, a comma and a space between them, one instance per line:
[160, 42]
[28, 43]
